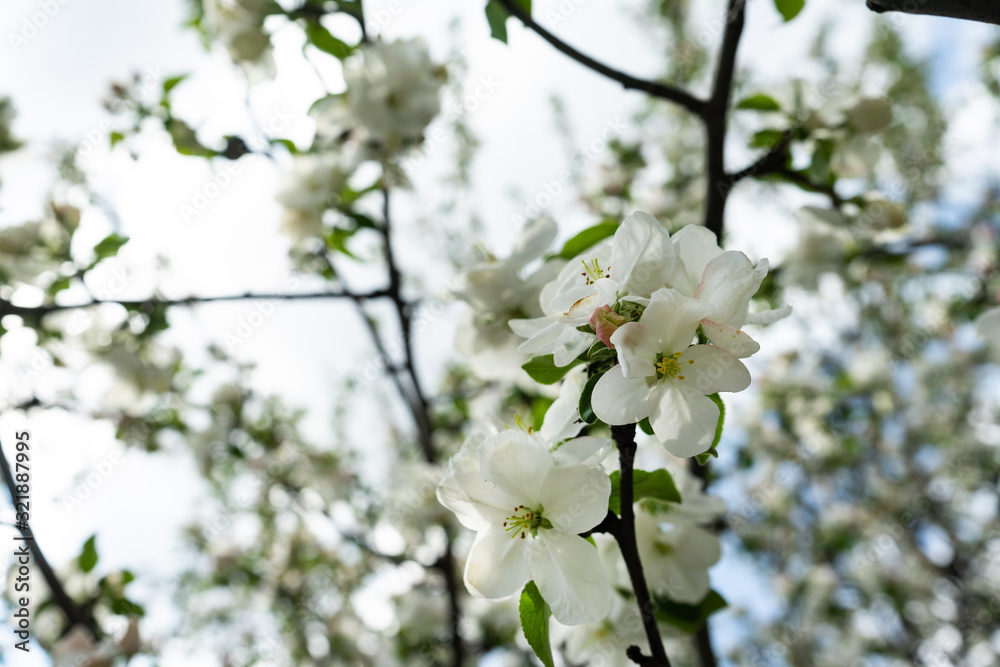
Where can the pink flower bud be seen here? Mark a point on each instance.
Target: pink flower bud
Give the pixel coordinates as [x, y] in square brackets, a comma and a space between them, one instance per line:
[605, 322]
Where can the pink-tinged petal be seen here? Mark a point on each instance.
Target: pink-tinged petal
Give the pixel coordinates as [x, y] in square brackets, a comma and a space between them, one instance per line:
[620, 400]
[642, 256]
[498, 564]
[575, 497]
[708, 369]
[730, 339]
[696, 246]
[672, 319]
[683, 420]
[517, 464]
[568, 572]
[637, 349]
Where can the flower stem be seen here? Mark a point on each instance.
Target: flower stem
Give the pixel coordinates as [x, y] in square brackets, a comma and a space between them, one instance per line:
[624, 437]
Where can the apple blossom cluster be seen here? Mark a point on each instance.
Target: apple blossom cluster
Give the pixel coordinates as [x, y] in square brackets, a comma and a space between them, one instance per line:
[642, 298]
[239, 25]
[393, 93]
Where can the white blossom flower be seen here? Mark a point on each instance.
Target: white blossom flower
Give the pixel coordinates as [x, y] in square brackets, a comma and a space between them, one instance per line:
[676, 555]
[636, 262]
[661, 376]
[393, 93]
[727, 280]
[239, 25]
[312, 186]
[528, 510]
[497, 292]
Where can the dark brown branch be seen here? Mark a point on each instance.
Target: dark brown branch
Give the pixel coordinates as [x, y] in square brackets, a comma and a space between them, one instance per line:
[662, 91]
[75, 614]
[624, 437]
[7, 308]
[805, 183]
[770, 162]
[717, 184]
[983, 11]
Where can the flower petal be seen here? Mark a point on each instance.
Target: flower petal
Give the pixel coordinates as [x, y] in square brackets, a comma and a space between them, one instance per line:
[709, 369]
[568, 573]
[562, 419]
[535, 239]
[637, 349]
[696, 246]
[642, 257]
[769, 316]
[516, 463]
[575, 497]
[498, 565]
[730, 339]
[619, 400]
[587, 450]
[729, 281]
[673, 318]
[683, 420]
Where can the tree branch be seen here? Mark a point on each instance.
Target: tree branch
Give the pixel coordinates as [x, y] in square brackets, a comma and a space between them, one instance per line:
[770, 162]
[662, 91]
[7, 308]
[717, 183]
[983, 11]
[75, 614]
[624, 437]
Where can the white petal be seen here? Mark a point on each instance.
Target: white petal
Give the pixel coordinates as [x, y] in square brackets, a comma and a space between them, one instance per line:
[729, 281]
[619, 400]
[535, 239]
[569, 575]
[712, 370]
[516, 463]
[451, 495]
[673, 318]
[637, 349]
[684, 421]
[562, 419]
[730, 339]
[498, 565]
[696, 246]
[587, 450]
[642, 256]
[575, 497]
[769, 316]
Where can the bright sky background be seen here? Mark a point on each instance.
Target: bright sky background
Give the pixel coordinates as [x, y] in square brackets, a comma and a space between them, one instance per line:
[304, 350]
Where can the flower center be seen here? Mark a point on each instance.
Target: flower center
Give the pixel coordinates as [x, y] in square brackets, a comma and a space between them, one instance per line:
[594, 272]
[668, 365]
[525, 520]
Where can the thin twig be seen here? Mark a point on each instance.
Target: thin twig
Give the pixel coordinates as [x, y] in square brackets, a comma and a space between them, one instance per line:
[7, 308]
[717, 185]
[75, 614]
[660, 90]
[624, 437]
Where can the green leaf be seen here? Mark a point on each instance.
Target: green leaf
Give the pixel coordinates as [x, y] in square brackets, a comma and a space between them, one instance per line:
[588, 238]
[337, 241]
[115, 137]
[543, 370]
[688, 618]
[646, 427]
[586, 410]
[58, 285]
[657, 484]
[321, 38]
[722, 419]
[535, 612]
[287, 143]
[539, 406]
[110, 245]
[88, 557]
[789, 9]
[172, 82]
[759, 102]
[819, 168]
[767, 139]
[496, 16]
